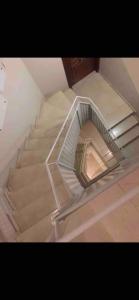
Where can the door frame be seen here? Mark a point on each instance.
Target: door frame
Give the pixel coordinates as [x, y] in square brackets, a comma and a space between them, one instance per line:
[68, 70]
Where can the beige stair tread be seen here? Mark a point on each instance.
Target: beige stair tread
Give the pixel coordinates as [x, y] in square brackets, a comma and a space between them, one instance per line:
[43, 132]
[30, 157]
[131, 150]
[54, 109]
[51, 110]
[118, 115]
[30, 193]
[124, 126]
[53, 121]
[34, 212]
[39, 144]
[38, 233]
[60, 101]
[26, 175]
[128, 137]
[70, 94]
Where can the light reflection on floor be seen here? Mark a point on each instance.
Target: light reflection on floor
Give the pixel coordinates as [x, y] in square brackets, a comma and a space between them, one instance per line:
[94, 165]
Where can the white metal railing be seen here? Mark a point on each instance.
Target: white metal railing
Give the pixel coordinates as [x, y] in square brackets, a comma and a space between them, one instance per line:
[68, 149]
[78, 114]
[82, 109]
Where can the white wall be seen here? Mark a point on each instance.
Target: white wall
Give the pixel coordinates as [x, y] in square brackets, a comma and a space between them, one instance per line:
[48, 73]
[24, 100]
[132, 66]
[123, 73]
[1, 238]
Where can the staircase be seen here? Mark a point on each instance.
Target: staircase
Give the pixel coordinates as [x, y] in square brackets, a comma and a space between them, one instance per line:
[40, 187]
[126, 131]
[29, 189]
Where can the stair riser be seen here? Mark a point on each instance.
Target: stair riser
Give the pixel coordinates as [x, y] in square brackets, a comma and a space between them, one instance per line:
[31, 158]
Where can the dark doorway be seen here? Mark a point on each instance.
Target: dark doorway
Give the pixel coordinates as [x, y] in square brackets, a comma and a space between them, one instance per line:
[77, 68]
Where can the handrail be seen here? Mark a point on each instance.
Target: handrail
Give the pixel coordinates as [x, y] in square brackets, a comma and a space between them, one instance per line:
[67, 134]
[102, 124]
[96, 109]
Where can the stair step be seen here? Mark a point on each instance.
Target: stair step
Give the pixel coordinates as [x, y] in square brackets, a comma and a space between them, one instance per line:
[124, 126]
[37, 233]
[54, 110]
[128, 137]
[30, 157]
[43, 132]
[70, 94]
[69, 177]
[50, 122]
[60, 101]
[71, 180]
[131, 150]
[117, 172]
[39, 144]
[26, 175]
[30, 193]
[109, 177]
[66, 172]
[111, 162]
[34, 212]
[108, 156]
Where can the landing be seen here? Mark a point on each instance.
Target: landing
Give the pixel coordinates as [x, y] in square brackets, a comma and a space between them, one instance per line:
[111, 105]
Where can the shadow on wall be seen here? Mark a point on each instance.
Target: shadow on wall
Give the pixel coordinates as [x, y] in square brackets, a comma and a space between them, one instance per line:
[114, 70]
[2, 240]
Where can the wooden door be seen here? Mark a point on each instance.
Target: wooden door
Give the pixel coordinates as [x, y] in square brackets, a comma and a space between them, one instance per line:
[77, 68]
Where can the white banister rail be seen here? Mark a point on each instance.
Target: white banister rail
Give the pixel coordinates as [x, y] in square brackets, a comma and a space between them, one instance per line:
[66, 153]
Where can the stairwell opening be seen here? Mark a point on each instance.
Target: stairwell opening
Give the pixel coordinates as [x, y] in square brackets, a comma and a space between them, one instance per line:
[93, 165]
[93, 156]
